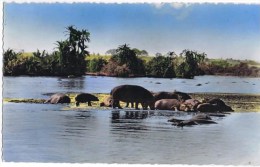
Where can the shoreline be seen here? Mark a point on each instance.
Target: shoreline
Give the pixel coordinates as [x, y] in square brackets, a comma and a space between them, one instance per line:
[239, 102]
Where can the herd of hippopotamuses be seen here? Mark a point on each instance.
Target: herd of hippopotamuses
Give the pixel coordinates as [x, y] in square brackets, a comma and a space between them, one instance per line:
[135, 95]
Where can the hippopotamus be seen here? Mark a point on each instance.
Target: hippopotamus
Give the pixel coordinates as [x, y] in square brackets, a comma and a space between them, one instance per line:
[195, 120]
[164, 95]
[58, 98]
[182, 96]
[107, 102]
[132, 94]
[167, 104]
[207, 107]
[85, 97]
[132, 104]
[220, 103]
[189, 105]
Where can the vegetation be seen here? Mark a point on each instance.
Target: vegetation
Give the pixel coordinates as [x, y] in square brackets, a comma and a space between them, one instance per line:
[161, 66]
[124, 63]
[72, 58]
[69, 59]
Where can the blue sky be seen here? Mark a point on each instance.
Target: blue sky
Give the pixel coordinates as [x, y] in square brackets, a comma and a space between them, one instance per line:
[221, 31]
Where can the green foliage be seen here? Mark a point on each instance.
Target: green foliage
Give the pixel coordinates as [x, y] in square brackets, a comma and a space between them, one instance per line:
[161, 66]
[124, 63]
[190, 67]
[72, 52]
[96, 64]
[140, 52]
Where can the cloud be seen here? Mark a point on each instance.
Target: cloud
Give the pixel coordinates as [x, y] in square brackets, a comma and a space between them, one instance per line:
[174, 5]
[158, 5]
[178, 5]
[179, 10]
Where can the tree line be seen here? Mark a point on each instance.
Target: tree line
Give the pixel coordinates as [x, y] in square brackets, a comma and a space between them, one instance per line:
[70, 59]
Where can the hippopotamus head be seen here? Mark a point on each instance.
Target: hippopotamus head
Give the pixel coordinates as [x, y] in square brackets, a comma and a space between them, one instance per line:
[102, 104]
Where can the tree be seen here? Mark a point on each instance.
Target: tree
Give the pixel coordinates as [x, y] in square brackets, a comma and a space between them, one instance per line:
[10, 62]
[72, 52]
[140, 52]
[190, 67]
[125, 63]
[161, 66]
[96, 65]
[111, 52]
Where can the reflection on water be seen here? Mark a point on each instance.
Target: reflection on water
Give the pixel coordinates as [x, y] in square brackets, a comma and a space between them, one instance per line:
[68, 83]
[116, 116]
[46, 133]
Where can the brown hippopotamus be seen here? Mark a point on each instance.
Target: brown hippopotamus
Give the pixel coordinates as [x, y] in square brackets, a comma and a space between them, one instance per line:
[58, 98]
[167, 104]
[189, 105]
[85, 98]
[220, 103]
[195, 120]
[107, 102]
[132, 94]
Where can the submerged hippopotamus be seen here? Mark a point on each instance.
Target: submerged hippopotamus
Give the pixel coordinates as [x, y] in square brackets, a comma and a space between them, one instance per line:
[132, 94]
[58, 98]
[85, 98]
[220, 103]
[195, 120]
[167, 104]
[107, 102]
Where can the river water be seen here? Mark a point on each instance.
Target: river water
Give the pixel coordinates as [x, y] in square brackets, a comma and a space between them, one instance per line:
[49, 133]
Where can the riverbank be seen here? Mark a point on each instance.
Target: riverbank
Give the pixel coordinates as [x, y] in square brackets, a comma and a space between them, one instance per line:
[239, 102]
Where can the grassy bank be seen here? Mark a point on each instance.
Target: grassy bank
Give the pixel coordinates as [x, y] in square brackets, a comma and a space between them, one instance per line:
[239, 102]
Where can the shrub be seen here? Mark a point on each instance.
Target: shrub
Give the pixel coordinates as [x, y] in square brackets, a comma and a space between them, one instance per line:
[161, 66]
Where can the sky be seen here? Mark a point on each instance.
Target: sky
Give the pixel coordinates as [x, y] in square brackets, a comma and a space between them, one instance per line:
[219, 30]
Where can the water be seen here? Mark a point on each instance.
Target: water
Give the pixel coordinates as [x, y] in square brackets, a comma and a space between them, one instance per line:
[48, 133]
[38, 87]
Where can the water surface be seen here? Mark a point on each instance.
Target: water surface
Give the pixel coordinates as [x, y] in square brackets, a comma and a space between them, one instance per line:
[51, 133]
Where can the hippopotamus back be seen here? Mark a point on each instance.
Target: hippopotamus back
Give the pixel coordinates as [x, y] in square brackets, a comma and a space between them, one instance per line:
[58, 98]
[182, 96]
[164, 95]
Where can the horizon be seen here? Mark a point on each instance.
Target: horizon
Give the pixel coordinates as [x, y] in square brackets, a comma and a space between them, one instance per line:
[220, 30]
